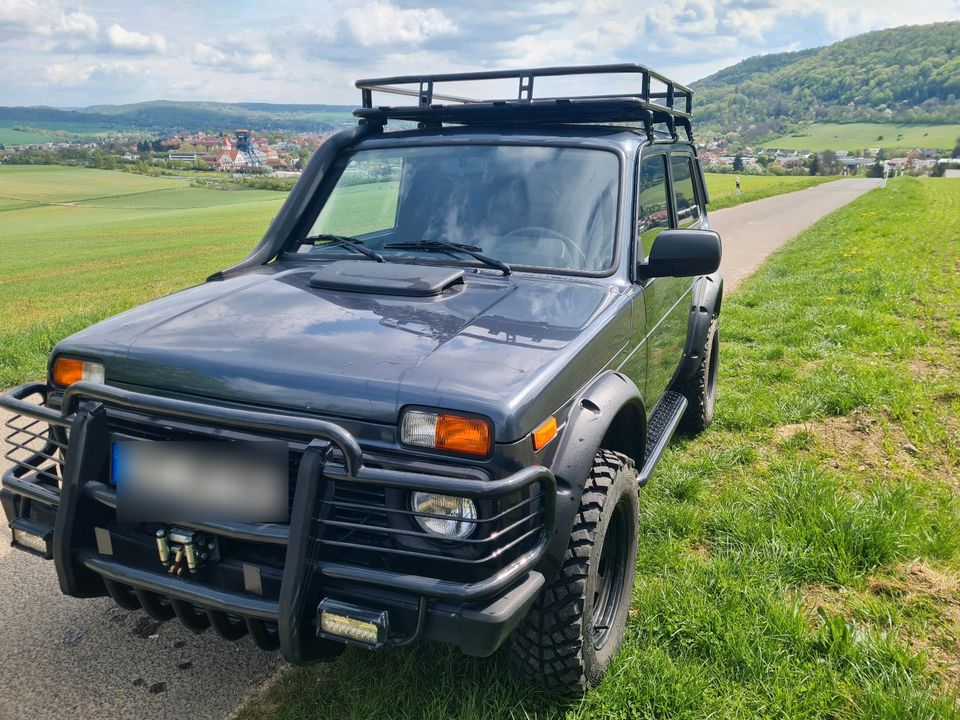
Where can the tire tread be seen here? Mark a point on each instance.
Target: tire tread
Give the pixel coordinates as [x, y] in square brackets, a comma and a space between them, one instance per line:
[547, 647]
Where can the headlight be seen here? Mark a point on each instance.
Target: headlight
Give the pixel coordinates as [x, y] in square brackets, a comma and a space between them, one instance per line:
[68, 370]
[455, 511]
[441, 431]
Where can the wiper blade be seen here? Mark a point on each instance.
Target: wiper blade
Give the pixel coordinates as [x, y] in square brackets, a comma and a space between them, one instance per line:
[444, 246]
[346, 241]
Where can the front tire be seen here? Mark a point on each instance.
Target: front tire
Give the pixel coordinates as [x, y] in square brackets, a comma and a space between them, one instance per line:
[577, 624]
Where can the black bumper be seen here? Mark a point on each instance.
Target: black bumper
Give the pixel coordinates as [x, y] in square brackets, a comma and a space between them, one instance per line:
[62, 485]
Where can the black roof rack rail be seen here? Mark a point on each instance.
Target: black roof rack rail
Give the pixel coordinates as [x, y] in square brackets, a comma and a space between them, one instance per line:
[672, 104]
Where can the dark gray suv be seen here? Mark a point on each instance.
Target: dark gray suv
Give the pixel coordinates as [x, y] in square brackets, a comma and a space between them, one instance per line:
[421, 408]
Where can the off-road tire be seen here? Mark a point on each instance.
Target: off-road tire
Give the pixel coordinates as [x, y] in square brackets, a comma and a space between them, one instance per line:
[700, 389]
[556, 645]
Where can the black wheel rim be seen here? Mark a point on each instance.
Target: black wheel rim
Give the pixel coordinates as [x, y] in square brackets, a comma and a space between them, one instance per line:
[611, 575]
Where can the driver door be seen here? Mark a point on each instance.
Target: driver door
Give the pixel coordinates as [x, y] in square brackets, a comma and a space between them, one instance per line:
[667, 299]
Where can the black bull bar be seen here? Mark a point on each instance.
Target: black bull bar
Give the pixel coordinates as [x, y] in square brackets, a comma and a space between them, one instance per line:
[68, 490]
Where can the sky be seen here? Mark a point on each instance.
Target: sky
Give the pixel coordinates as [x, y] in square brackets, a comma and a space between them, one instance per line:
[74, 54]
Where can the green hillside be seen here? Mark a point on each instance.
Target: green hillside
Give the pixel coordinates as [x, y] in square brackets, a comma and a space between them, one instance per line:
[165, 116]
[17, 136]
[198, 115]
[908, 74]
[859, 136]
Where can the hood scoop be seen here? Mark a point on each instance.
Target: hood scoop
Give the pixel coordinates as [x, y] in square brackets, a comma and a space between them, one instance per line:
[365, 276]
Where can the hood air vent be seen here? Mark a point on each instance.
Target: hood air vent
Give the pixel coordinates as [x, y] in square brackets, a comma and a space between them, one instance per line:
[363, 276]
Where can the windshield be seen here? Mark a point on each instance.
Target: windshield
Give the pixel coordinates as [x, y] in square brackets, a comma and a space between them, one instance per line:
[549, 207]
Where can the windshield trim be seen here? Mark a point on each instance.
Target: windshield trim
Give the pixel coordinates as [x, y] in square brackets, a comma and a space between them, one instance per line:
[333, 176]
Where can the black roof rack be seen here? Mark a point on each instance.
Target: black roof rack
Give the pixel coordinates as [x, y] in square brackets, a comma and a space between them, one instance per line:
[672, 104]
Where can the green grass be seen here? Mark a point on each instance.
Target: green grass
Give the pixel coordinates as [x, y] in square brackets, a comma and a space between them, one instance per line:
[123, 239]
[723, 189]
[57, 184]
[802, 558]
[9, 136]
[860, 136]
[45, 132]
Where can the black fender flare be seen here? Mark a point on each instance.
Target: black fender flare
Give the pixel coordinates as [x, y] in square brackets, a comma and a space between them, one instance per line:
[705, 302]
[591, 417]
[294, 208]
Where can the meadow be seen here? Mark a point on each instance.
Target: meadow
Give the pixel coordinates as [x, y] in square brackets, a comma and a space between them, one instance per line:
[9, 136]
[860, 136]
[80, 244]
[801, 559]
[722, 187]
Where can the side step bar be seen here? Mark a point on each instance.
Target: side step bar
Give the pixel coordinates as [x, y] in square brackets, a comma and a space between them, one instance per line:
[660, 428]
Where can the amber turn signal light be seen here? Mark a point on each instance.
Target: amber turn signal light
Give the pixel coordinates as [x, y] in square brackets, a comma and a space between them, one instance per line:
[545, 433]
[455, 433]
[463, 434]
[68, 370]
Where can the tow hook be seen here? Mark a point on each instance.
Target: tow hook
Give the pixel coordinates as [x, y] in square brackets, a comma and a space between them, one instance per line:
[180, 548]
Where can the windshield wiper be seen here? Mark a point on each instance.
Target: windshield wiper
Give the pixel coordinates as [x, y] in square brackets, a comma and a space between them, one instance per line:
[444, 246]
[346, 241]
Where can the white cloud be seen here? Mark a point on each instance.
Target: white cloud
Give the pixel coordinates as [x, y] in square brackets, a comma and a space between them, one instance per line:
[73, 74]
[120, 39]
[383, 22]
[21, 19]
[744, 24]
[238, 61]
[300, 51]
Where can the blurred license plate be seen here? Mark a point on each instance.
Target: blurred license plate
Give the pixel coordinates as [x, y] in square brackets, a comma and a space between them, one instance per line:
[183, 481]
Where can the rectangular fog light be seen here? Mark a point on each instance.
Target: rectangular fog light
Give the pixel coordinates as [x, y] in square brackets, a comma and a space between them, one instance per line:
[352, 624]
[33, 536]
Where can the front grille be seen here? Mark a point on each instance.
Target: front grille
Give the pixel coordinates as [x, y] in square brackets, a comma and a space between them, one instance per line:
[373, 526]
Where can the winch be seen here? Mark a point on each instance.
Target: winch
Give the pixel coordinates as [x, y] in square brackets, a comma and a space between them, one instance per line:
[179, 548]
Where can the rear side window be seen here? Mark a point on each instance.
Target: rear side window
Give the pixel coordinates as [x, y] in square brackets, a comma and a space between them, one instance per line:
[653, 204]
[688, 207]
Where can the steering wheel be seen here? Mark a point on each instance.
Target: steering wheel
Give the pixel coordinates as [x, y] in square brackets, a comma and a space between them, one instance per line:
[530, 230]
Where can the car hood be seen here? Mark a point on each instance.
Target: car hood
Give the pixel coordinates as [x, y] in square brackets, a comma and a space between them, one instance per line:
[491, 345]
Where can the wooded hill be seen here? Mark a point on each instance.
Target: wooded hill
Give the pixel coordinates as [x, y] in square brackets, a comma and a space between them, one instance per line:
[168, 115]
[905, 74]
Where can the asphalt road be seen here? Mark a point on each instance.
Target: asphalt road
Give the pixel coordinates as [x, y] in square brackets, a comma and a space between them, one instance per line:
[63, 657]
[750, 232]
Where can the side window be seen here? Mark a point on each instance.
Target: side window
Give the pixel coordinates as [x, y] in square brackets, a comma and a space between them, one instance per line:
[688, 208]
[653, 205]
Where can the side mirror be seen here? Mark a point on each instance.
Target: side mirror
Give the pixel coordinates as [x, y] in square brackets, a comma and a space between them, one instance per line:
[682, 253]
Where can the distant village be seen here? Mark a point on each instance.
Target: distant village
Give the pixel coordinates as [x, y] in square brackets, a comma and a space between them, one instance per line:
[238, 152]
[277, 154]
[715, 157]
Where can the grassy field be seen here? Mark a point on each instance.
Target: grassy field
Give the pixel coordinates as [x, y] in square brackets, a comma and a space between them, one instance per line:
[41, 132]
[723, 189]
[112, 240]
[802, 558]
[109, 241]
[9, 136]
[859, 136]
